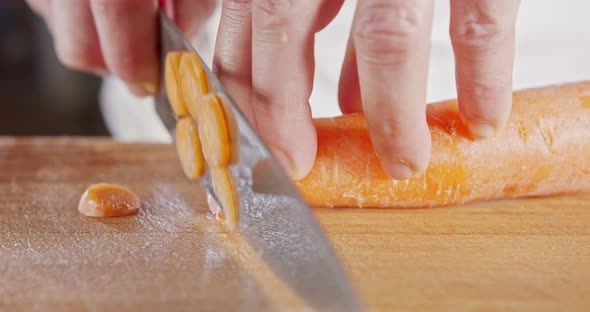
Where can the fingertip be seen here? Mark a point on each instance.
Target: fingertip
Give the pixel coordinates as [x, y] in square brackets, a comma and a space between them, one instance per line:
[485, 114]
[146, 87]
[404, 154]
[403, 168]
[150, 80]
[481, 130]
[304, 164]
[399, 169]
[138, 90]
[296, 166]
[142, 74]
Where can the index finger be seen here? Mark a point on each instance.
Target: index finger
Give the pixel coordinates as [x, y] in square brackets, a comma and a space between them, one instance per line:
[127, 34]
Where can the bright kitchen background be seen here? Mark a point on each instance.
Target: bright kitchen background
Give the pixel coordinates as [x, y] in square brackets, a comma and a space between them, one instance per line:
[38, 96]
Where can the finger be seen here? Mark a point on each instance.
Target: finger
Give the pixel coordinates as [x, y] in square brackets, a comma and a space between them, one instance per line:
[76, 40]
[232, 61]
[327, 11]
[392, 42]
[41, 7]
[282, 78]
[482, 33]
[349, 92]
[127, 32]
[191, 15]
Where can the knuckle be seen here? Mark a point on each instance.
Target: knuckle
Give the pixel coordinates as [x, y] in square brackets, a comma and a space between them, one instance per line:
[386, 31]
[270, 14]
[237, 5]
[478, 33]
[236, 12]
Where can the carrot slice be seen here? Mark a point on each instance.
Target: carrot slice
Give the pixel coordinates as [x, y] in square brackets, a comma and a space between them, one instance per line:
[214, 131]
[108, 200]
[188, 148]
[194, 82]
[227, 193]
[214, 208]
[233, 130]
[544, 150]
[173, 86]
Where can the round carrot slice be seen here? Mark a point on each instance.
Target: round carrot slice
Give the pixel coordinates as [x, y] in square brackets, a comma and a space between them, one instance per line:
[194, 82]
[214, 132]
[108, 200]
[234, 134]
[173, 87]
[227, 192]
[188, 147]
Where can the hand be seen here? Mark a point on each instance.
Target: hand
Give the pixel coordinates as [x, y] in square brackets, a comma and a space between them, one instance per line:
[264, 55]
[116, 37]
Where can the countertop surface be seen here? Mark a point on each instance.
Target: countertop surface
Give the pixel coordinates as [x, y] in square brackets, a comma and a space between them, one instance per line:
[511, 255]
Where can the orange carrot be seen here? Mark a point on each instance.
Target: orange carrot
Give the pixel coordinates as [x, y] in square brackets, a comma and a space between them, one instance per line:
[214, 131]
[108, 200]
[172, 81]
[232, 128]
[544, 150]
[194, 83]
[226, 190]
[188, 148]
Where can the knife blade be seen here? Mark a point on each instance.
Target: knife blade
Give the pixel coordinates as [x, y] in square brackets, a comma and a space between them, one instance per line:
[274, 219]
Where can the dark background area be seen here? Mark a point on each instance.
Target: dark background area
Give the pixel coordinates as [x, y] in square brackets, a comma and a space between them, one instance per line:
[38, 96]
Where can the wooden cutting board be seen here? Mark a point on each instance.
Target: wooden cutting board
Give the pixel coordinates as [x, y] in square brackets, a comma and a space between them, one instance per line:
[512, 255]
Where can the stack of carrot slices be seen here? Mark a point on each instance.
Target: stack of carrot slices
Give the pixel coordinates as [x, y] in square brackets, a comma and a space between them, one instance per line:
[206, 131]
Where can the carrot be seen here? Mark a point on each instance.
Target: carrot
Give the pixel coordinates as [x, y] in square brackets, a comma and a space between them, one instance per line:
[108, 200]
[172, 81]
[214, 131]
[544, 150]
[232, 128]
[226, 190]
[194, 83]
[188, 148]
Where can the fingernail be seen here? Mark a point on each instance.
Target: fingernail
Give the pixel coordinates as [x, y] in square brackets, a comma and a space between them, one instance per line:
[400, 169]
[147, 84]
[481, 129]
[285, 161]
[143, 89]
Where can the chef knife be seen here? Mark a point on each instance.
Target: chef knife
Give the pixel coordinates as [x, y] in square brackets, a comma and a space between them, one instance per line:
[274, 219]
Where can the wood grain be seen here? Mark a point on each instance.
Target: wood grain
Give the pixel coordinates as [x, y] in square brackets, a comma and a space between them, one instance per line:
[514, 255]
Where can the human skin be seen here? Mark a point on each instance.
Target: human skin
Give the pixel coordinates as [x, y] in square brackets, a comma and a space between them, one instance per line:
[264, 57]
